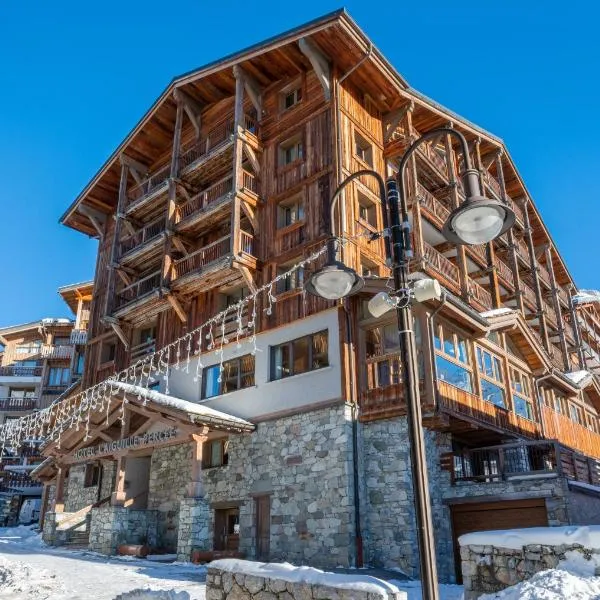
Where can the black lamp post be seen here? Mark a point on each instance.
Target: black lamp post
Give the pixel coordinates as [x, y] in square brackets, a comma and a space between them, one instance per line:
[476, 221]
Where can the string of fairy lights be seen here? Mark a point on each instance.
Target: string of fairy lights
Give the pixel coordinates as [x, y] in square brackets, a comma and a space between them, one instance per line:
[75, 413]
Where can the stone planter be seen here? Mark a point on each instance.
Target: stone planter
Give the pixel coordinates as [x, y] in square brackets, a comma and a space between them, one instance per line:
[140, 550]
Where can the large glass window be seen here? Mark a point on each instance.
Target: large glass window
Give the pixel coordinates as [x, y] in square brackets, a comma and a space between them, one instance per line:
[490, 371]
[521, 394]
[452, 358]
[59, 376]
[237, 374]
[28, 348]
[307, 353]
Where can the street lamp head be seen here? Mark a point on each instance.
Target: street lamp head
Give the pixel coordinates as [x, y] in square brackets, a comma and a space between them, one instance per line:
[477, 220]
[334, 281]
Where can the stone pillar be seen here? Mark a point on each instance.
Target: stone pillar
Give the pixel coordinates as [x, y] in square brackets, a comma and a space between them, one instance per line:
[194, 518]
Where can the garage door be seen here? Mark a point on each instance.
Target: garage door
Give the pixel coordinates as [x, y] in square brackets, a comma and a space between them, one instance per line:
[486, 516]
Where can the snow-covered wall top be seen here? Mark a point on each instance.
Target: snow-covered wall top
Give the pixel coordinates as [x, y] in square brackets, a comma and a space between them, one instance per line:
[587, 536]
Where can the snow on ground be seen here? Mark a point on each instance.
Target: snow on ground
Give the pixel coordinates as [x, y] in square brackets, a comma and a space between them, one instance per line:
[31, 571]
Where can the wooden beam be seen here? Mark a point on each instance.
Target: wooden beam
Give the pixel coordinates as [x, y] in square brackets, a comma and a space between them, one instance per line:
[252, 89]
[251, 156]
[392, 120]
[114, 323]
[134, 165]
[249, 212]
[177, 307]
[97, 219]
[179, 245]
[247, 277]
[320, 64]
[124, 277]
[193, 109]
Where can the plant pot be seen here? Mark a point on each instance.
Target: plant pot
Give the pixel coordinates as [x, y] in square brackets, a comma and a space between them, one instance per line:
[140, 550]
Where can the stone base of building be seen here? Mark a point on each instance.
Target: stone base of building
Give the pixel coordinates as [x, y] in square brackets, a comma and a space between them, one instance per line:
[194, 519]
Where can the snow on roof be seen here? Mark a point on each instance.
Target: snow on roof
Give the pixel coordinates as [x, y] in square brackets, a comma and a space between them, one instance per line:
[515, 539]
[56, 321]
[578, 377]
[497, 312]
[585, 296]
[206, 414]
[292, 574]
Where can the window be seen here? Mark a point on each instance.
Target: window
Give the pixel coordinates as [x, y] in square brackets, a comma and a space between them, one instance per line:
[79, 364]
[363, 149]
[490, 370]
[293, 281]
[58, 376]
[367, 211]
[215, 453]
[20, 393]
[289, 212]
[28, 348]
[61, 340]
[521, 396]
[290, 97]
[452, 358]
[107, 354]
[304, 354]
[92, 475]
[575, 413]
[382, 360]
[559, 403]
[237, 374]
[291, 150]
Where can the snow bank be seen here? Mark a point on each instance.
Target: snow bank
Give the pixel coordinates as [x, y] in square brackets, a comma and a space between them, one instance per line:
[515, 539]
[24, 535]
[291, 574]
[153, 595]
[496, 312]
[578, 377]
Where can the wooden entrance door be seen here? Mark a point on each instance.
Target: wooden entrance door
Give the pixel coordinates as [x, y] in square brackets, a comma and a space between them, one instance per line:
[227, 529]
[262, 515]
[487, 516]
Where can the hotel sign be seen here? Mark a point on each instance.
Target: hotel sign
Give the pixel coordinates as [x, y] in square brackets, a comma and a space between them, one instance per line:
[130, 443]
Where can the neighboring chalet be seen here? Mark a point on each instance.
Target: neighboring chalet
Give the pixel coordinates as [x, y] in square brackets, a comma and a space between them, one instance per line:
[39, 362]
[223, 184]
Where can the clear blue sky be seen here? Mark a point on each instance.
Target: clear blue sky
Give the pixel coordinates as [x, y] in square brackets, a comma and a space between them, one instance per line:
[76, 76]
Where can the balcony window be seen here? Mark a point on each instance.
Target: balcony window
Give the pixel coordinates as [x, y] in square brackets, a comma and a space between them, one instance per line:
[490, 371]
[521, 396]
[79, 361]
[291, 150]
[289, 212]
[363, 149]
[452, 358]
[62, 340]
[236, 374]
[367, 211]
[59, 376]
[308, 353]
[575, 413]
[21, 393]
[215, 454]
[293, 281]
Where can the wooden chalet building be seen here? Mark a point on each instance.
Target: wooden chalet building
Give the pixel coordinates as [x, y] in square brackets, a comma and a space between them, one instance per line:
[223, 184]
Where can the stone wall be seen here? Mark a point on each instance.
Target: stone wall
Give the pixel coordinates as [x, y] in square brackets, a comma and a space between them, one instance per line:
[114, 525]
[304, 463]
[77, 496]
[387, 502]
[583, 506]
[488, 569]
[235, 584]
[170, 470]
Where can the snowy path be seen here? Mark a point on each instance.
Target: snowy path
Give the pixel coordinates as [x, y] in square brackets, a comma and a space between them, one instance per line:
[30, 571]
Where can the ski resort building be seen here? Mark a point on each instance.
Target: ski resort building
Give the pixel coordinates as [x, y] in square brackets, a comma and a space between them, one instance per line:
[279, 432]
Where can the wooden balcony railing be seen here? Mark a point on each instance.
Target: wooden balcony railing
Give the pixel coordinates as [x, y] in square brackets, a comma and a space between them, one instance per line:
[434, 157]
[153, 182]
[247, 243]
[440, 264]
[139, 238]
[249, 181]
[516, 209]
[528, 294]
[217, 136]
[461, 402]
[79, 337]
[479, 251]
[18, 404]
[480, 295]
[544, 274]
[290, 237]
[206, 198]
[138, 289]
[563, 296]
[432, 205]
[514, 461]
[492, 183]
[504, 272]
[20, 371]
[202, 257]
[569, 433]
[550, 314]
[569, 332]
[522, 250]
[62, 352]
[139, 350]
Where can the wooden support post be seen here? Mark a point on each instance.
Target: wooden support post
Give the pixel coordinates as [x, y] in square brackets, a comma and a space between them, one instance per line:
[512, 249]
[252, 89]
[576, 331]
[393, 119]
[97, 219]
[192, 109]
[557, 308]
[461, 256]
[536, 278]
[59, 495]
[238, 121]
[195, 488]
[179, 310]
[119, 496]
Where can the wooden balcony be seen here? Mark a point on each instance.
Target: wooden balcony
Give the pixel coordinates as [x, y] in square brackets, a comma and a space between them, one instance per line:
[137, 246]
[544, 275]
[18, 404]
[571, 434]
[494, 186]
[17, 482]
[556, 357]
[434, 160]
[528, 296]
[522, 251]
[478, 253]
[440, 267]
[132, 296]
[505, 273]
[480, 296]
[20, 371]
[550, 315]
[140, 350]
[461, 403]
[51, 351]
[563, 297]
[522, 460]
[431, 207]
[79, 337]
[150, 188]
